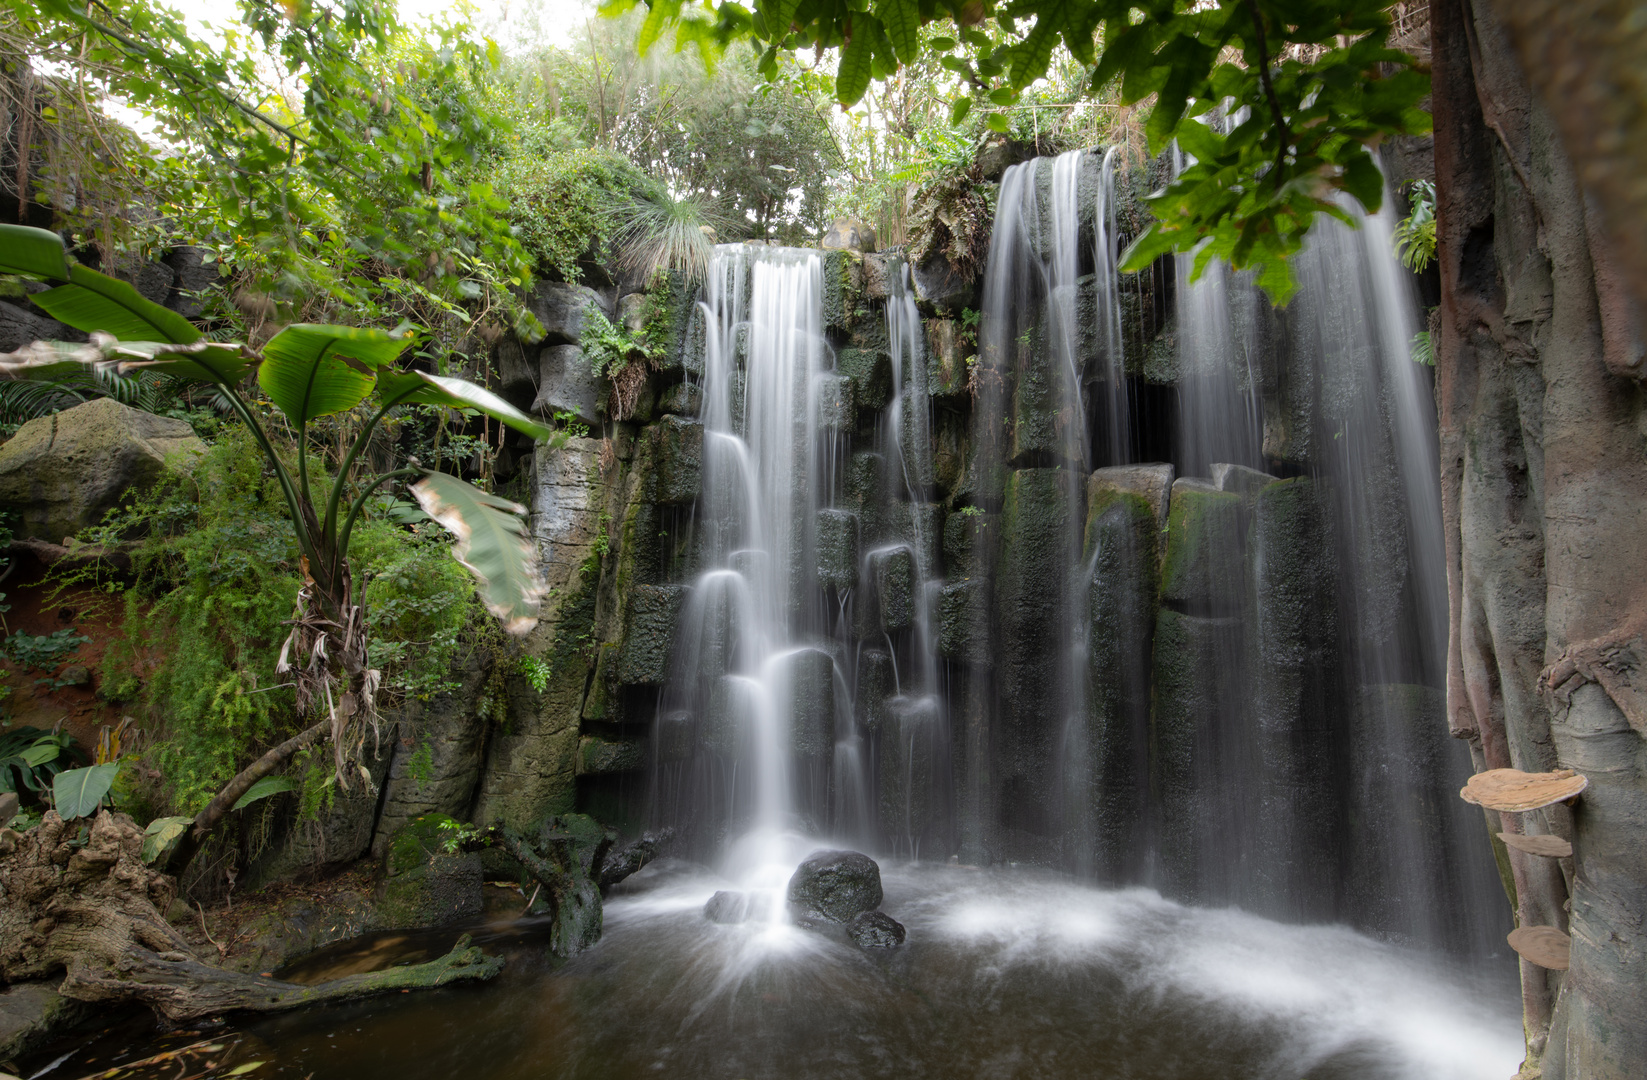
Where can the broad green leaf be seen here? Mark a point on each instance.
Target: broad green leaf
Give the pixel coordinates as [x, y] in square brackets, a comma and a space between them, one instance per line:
[76, 792]
[658, 18]
[902, 19]
[857, 59]
[214, 362]
[40, 753]
[162, 836]
[1151, 244]
[492, 542]
[417, 388]
[779, 14]
[311, 371]
[999, 122]
[958, 109]
[1363, 180]
[94, 301]
[36, 252]
[269, 785]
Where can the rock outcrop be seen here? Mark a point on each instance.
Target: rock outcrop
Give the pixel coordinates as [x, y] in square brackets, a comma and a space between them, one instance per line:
[61, 473]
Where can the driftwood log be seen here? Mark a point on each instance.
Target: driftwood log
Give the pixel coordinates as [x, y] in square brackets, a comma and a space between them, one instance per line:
[76, 898]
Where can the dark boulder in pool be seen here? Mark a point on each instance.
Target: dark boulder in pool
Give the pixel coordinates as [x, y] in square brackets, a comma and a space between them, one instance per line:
[875, 930]
[836, 885]
[727, 907]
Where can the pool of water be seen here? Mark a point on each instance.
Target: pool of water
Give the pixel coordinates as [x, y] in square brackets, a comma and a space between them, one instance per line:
[1006, 974]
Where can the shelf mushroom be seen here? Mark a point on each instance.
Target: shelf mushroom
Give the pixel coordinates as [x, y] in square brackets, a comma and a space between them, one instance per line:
[1542, 945]
[1513, 791]
[1553, 847]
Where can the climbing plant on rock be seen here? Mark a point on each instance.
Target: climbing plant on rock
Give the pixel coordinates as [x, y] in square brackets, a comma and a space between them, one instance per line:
[308, 372]
[1310, 87]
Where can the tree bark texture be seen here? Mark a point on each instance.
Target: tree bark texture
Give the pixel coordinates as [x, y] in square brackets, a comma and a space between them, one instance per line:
[1587, 59]
[1544, 491]
[75, 897]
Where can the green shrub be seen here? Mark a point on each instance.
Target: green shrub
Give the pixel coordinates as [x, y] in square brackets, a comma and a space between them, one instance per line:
[561, 199]
[215, 580]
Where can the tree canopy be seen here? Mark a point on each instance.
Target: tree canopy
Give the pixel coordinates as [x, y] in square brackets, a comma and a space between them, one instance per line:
[1311, 86]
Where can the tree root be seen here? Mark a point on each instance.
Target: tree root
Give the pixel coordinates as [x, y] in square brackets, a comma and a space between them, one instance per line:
[76, 897]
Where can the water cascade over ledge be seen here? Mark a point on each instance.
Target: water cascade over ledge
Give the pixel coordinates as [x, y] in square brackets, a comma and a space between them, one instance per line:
[1217, 675]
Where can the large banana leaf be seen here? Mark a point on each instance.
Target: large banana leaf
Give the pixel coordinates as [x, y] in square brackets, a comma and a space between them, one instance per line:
[77, 792]
[416, 388]
[311, 371]
[44, 361]
[36, 252]
[93, 301]
[493, 542]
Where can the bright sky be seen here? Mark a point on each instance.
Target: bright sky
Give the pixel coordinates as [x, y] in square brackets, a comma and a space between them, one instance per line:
[511, 23]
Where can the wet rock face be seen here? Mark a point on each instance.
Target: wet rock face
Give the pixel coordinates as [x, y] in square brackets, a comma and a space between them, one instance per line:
[849, 234]
[563, 309]
[875, 930]
[836, 885]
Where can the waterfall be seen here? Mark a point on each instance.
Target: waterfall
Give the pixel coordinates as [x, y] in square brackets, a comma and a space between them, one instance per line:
[804, 700]
[1218, 675]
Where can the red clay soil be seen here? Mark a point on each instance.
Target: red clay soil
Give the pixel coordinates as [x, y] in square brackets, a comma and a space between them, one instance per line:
[36, 610]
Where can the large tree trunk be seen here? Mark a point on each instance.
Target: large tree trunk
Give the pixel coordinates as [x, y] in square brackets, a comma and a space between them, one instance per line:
[1544, 487]
[93, 912]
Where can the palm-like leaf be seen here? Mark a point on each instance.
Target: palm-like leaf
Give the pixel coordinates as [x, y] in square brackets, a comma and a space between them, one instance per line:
[493, 542]
[35, 252]
[312, 371]
[417, 388]
[94, 301]
[77, 792]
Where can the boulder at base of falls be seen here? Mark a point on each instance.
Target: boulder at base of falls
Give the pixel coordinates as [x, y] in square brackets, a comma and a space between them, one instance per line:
[836, 885]
[727, 907]
[875, 930]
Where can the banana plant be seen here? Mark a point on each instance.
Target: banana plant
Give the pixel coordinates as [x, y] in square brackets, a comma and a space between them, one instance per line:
[308, 372]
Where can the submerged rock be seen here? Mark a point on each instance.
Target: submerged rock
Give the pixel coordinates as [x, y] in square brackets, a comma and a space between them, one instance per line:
[875, 930]
[727, 907]
[836, 885]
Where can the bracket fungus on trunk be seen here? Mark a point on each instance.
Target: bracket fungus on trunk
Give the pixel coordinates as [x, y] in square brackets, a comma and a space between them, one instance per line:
[1542, 945]
[1553, 847]
[1513, 791]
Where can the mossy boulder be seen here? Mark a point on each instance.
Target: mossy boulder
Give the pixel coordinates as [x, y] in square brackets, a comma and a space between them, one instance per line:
[673, 449]
[603, 757]
[964, 623]
[424, 884]
[835, 885]
[60, 473]
[967, 536]
[877, 683]
[1198, 698]
[837, 549]
[1201, 570]
[893, 573]
[946, 359]
[837, 407]
[649, 631]
[871, 373]
[843, 290]
[808, 680]
[911, 751]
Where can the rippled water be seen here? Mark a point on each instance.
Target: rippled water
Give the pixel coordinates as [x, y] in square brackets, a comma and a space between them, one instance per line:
[1006, 974]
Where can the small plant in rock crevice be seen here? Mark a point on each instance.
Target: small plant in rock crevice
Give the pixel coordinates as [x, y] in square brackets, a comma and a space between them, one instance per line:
[624, 358]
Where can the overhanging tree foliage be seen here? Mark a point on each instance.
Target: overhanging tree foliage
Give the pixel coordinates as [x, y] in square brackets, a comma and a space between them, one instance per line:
[308, 372]
[1312, 85]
